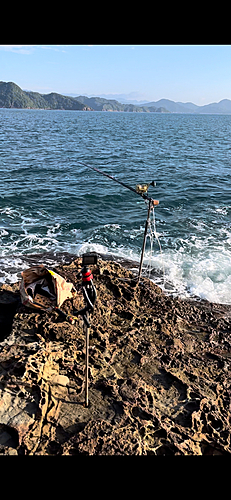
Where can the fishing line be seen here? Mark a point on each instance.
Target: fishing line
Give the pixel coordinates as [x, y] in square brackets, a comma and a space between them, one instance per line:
[153, 234]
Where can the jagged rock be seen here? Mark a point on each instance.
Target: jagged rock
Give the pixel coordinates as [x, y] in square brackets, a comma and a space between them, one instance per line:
[159, 377]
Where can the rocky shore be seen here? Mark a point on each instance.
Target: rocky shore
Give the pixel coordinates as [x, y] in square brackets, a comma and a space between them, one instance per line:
[159, 381]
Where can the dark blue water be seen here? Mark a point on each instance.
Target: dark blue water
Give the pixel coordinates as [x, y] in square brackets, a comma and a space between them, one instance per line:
[49, 203]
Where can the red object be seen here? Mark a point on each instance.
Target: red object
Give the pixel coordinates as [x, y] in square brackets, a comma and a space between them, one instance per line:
[87, 276]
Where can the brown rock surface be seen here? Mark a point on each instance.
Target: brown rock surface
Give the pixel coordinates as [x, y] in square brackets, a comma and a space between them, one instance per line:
[159, 379]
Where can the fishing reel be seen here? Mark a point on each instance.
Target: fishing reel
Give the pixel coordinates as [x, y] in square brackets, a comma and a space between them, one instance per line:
[143, 188]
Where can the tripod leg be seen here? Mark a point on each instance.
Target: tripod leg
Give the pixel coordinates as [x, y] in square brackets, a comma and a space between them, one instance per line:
[144, 240]
[86, 330]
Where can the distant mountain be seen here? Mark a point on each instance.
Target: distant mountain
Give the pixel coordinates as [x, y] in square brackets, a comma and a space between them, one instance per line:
[12, 96]
[123, 98]
[58, 101]
[222, 107]
[118, 97]
[102, 104]
[171, 106]
[189, 106]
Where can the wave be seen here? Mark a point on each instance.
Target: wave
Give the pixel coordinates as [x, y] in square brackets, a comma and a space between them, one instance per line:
[177, 274]
[199, 265]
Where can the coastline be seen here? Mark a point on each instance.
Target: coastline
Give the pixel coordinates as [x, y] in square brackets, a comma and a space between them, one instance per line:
[159, 371]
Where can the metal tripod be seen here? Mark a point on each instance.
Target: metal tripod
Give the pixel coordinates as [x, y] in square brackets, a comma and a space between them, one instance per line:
[150, 206]
[90, 296]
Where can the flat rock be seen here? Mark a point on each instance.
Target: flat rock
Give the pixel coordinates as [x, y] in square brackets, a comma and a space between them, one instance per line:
[159, 376]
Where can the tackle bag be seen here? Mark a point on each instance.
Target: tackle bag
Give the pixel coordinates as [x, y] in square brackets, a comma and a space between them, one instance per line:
[42, 288]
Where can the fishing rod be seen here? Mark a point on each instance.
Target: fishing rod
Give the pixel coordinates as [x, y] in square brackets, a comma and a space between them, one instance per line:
[141, 190]
[138, 189]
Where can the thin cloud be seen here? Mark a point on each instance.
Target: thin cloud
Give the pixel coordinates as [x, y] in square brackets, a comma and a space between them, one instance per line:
[29, 49]
[18, 49]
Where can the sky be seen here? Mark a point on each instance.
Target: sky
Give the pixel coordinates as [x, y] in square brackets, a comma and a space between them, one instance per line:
[188, 73]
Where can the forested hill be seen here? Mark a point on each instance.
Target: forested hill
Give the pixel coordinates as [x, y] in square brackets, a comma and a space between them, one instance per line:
[101, 104]
[12, 96]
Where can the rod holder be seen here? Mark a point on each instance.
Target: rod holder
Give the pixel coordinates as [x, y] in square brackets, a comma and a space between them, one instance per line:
[150, 206]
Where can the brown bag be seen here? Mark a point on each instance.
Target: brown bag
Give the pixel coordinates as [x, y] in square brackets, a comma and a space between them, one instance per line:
[41, 288]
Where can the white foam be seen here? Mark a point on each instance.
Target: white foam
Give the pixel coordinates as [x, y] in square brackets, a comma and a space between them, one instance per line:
[53, 230]
[210, 277]
[91, 247]
[10, 269]
[198, 265]
[10, 212]
[112, 227]
[206, 275]
[3, 232]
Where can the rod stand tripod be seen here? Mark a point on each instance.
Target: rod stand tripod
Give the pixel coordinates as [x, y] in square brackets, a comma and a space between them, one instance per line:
[151, 204]
[90, 296]
[142, 191]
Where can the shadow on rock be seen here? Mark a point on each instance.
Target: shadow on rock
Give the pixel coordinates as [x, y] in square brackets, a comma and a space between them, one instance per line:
[9, 302]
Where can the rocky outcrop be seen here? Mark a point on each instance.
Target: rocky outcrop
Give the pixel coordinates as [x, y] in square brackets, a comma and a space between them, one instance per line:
[159, 380]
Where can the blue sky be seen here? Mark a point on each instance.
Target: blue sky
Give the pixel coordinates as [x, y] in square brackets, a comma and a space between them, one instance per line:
[196, 73]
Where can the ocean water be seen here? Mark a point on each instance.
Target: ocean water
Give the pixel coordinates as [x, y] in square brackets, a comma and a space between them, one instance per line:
[51, 204]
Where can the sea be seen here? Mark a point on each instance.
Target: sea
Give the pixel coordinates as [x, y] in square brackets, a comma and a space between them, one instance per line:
[52, 206]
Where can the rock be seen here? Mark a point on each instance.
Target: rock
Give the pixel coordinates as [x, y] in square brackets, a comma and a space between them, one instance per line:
[12, 451]
[159, 372]
[60, 380]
